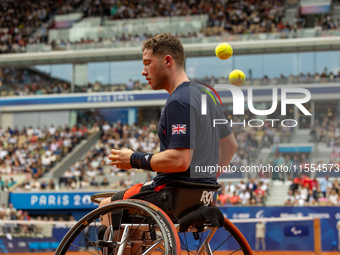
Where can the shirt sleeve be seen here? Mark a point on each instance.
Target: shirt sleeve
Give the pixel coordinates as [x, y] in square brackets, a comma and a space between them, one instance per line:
[225, 129]
[177, 125]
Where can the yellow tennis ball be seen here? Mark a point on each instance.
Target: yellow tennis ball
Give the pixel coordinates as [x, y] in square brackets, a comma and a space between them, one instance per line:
[223, 51]
[237, 77]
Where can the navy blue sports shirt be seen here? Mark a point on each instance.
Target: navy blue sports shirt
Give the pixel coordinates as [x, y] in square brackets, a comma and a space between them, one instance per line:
[182, 125]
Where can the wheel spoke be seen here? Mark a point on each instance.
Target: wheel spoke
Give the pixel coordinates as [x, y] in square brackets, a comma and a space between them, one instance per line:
[236, 251]
[80, 248]
[147, 230]
[222, 243]
[144, 241]
[153, 247]
[87, 239]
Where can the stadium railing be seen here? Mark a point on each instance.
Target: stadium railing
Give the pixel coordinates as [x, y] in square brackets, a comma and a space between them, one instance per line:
[110, 33]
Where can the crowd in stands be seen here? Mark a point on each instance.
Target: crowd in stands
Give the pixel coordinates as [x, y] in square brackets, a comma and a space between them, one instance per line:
[40, 85]
[29, 229]
[305, 191]
[244, 17]
[34, 151]
[19, 20]
[11, 213]
[94, 169]
[326, 130]
[302, 78]
[107, 42]
[225, 17]
[27, 81]
[250, 17]
[327, 23]
[249, 194]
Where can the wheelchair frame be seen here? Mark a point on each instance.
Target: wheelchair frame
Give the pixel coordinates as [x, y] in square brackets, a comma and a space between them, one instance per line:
[166, 225]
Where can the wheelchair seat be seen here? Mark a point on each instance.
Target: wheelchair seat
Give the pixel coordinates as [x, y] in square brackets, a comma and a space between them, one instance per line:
[179, 198]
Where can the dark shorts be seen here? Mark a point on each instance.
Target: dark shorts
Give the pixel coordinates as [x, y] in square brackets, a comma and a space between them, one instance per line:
[138, 188]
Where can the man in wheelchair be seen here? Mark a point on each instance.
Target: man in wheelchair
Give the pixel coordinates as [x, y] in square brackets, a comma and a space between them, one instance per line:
[190, 144]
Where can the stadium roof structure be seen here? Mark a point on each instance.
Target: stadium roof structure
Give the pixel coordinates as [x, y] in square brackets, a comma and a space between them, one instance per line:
[192, 50]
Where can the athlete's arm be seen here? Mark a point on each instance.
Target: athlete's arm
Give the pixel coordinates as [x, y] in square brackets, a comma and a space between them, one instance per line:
[172, 161]
[228, 147]
[169, 161]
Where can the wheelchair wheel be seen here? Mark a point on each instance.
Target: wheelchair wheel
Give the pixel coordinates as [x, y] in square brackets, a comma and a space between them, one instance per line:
[228, 240]
[141, 230]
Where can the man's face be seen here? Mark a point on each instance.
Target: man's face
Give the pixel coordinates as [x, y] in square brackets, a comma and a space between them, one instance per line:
[154, 70]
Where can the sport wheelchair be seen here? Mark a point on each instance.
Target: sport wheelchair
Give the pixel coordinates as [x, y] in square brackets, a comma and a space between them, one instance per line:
[180, 218]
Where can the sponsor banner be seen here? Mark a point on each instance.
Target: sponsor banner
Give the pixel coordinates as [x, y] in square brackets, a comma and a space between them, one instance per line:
[52, 200]
[113, 97]
[288, 235]
[76, 99]
[66, 20]
[18, 244]
[11, 244]
[314, 6]
[286, 149]
[296, 230]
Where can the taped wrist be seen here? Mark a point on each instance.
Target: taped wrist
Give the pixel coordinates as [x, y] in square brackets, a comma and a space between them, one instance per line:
[141, 160]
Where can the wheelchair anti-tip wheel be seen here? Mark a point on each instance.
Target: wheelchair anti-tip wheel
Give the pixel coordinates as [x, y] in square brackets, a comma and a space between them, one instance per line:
[145, 229]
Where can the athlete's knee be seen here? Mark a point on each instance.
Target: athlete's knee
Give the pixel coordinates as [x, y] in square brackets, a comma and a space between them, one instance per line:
[117, 196]
[113, 218]
[105, 202]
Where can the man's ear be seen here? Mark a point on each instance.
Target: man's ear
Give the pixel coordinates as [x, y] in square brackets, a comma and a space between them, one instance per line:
[168, 60]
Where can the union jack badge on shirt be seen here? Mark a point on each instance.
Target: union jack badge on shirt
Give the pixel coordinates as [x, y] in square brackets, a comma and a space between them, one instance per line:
[179, 129]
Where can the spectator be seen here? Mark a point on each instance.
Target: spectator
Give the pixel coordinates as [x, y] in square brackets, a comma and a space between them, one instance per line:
[61, 223]
[51, 185]
[244, 197]
[91, 172]
[3, 209]
[290, 199]
[105, 183]
[325, 185]
[43, 185]
[311, 198]
[300, 198]
[93, 182]
[234, 199]
[129, 84]
[106, 127]
[259, 195]
[222, 198]
[128, 182]
[11, 212]
[260, 235]
[333, 198]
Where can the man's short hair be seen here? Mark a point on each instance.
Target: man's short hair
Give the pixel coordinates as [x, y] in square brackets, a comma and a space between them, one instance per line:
[166, 44]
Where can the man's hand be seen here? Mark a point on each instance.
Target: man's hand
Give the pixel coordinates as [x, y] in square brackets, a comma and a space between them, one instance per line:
[121, 158]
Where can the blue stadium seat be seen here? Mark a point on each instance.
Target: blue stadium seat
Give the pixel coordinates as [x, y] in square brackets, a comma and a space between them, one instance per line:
[54, 245]
[34, 246]
[45, 246]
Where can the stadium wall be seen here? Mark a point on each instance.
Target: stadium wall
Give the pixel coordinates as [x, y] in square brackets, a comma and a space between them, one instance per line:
[278, 236]
[282, 236]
